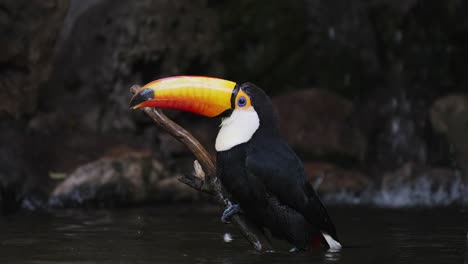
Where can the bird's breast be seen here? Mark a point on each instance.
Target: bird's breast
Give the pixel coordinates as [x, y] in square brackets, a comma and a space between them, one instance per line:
[235, 177]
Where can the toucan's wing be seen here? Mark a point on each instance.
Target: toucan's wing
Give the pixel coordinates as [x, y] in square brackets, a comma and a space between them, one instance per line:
[282, 173]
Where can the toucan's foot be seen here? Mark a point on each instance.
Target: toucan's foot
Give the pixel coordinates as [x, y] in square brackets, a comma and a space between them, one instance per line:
[230, 211]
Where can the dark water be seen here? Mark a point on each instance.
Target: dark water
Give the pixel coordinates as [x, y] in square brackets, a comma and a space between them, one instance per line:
[185, 234]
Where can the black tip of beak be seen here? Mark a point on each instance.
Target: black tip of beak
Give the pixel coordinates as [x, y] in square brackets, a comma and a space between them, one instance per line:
[141, 97]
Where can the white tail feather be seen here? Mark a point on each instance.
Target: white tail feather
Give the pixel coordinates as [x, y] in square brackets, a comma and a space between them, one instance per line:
[332, 243]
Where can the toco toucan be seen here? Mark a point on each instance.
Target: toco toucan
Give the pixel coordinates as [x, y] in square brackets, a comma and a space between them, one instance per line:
[254, 163]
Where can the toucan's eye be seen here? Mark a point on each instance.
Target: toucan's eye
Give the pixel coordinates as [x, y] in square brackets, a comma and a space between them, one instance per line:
[241, 102]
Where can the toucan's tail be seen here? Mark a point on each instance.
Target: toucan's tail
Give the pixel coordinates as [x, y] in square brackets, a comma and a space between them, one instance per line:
[317, 214]
[332, 243]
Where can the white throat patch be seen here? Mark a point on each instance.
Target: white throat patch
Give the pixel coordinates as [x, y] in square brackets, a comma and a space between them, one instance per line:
[237, 129]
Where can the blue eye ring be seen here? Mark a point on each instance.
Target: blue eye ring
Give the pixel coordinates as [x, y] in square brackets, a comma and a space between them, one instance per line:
[241, 101]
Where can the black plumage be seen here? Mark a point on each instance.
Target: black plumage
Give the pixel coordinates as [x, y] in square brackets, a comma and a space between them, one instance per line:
[267, 179]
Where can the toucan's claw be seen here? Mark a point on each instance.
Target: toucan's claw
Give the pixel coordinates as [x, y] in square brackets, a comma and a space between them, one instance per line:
[230, 211]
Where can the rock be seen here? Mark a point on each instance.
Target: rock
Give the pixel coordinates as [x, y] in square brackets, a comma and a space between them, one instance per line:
[70, 98]
[265, 44]
[21, 167]
[12, 172]
[329, 179]
[123, 177]
[35, 201]
[112, 45]
[29, 30]
[448, 110]
[318, 123]
[421, 185]
[449, 116]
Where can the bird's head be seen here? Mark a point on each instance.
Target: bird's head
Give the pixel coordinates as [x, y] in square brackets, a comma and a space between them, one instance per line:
[243, 107]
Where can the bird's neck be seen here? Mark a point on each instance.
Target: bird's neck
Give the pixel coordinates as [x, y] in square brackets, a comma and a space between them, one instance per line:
[237, 129]
[245, 125]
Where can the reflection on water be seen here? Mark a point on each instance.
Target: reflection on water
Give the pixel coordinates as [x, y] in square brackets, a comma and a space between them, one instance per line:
[184, 234]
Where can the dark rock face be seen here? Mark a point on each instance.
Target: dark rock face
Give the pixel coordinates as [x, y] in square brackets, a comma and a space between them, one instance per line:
[113, 45]
[106, 47]
[11, 165]
[357, 44]
[65, 70]
[393, 58]
[318, 123]
[28, 33]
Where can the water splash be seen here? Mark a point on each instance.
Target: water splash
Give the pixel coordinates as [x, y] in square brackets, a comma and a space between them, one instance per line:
[419, 193]
[422, 192]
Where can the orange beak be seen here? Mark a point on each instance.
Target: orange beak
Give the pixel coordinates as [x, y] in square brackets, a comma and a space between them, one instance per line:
[201, 95]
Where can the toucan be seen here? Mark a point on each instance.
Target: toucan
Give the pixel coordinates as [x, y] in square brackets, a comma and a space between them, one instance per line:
[264, 176]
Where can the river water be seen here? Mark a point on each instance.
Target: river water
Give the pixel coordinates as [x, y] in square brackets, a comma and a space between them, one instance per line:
[194, 234]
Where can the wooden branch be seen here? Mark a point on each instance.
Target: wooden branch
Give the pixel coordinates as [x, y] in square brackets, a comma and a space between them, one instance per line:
[205, 179]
